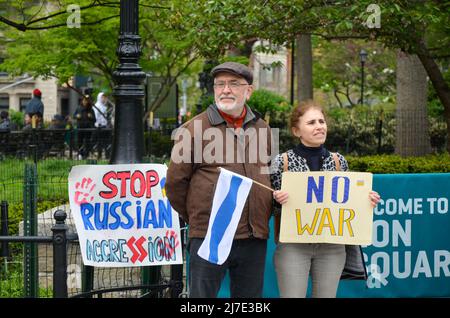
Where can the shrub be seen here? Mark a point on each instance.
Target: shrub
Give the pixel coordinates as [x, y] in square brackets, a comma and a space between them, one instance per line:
[159, 145]
[17, 118]
[382, 164]
[264, 101]
[356, 131]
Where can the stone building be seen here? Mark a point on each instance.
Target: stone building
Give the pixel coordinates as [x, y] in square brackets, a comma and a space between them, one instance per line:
[16, 92]
[273, 78]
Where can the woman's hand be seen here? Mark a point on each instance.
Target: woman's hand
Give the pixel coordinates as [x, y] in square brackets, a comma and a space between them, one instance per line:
[280, 197]
[374, 198]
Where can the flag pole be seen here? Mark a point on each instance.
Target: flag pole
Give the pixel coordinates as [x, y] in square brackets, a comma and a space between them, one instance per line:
[260, 184]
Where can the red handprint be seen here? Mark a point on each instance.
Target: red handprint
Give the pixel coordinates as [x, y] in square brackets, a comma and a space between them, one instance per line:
[169, 248]
[83, 191]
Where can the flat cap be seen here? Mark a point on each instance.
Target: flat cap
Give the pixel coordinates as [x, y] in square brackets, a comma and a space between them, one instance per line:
[234, 68]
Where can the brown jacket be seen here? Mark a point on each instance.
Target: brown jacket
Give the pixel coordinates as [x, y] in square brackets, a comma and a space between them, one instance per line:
[190, 184]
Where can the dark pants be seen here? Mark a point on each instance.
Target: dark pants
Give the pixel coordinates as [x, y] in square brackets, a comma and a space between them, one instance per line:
[245, 263]
[84, 143]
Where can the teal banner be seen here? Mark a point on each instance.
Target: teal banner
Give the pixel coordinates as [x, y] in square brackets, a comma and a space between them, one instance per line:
[410, 251]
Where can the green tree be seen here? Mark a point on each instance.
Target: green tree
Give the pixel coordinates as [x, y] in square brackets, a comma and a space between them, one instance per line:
[415, 27]
[337, 70]
[59, 51]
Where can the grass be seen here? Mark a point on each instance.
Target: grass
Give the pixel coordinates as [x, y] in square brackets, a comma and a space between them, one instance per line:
[52, 178]
[12, 280]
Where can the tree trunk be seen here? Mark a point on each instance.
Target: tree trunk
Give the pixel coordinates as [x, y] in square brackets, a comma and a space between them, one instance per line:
[304, 67]
[412, 137]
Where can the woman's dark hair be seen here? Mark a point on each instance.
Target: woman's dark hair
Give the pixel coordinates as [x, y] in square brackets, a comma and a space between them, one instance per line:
[88, 101]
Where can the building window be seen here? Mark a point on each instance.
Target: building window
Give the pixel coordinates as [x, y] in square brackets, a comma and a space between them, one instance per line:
[23, 103]
[64, 106]
[4, 102]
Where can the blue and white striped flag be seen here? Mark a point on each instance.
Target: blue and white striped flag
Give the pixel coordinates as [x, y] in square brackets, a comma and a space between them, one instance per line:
[231, 193]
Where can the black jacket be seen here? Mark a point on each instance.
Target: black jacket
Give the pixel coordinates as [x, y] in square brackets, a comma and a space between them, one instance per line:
[85, 117]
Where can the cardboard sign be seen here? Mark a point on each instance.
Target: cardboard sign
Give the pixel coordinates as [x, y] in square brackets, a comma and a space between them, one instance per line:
[327, 207]
[123, 217]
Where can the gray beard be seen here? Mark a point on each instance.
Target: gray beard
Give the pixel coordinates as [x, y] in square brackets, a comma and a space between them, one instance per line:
[234, 107]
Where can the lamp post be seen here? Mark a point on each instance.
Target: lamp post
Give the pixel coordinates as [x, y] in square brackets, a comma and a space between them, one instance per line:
[363, 58]
[90, 83]
[128, 142]
[128, 138]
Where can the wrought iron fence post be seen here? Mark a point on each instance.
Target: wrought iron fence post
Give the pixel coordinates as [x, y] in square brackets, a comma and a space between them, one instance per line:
[31, 282]
[4, 229]
[380, 130]
[33, 152]
[60, 255]
[87, 279]
[71, 142]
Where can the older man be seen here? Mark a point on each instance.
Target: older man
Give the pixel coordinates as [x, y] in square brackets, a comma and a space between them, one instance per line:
[228, 134]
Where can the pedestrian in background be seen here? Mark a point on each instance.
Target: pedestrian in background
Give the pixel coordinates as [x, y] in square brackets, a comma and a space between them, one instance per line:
[85, 120]
[35, 109]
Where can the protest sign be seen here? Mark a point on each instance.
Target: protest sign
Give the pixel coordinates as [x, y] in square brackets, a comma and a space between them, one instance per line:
[122, 215]
[327, 207]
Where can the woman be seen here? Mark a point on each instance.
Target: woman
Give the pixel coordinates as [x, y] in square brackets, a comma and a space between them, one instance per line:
[324, 262]
[102, 137]
[85, 118]
[101, 111]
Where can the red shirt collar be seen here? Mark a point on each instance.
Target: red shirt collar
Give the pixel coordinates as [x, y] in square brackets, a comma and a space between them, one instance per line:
[236, 122]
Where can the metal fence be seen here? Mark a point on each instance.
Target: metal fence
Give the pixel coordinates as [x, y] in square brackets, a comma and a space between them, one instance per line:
[76, 144]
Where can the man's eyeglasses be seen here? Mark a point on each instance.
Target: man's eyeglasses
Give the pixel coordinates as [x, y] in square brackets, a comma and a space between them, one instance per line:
[232, 85]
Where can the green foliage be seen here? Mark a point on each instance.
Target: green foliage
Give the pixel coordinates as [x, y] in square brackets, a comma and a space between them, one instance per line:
[434, 105]
[337, 114]
[382, 164]
[12, 286]
[435, 108]
[205, 102]
[168, 50]
[52, 178]
[12, 280]
[337, 71]
[356, 131]
[265, 101]
[238, 59]
[62, 52]
[17, 118]
[159, 145]
[262, 100]
[438, 133]
[15, 211]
